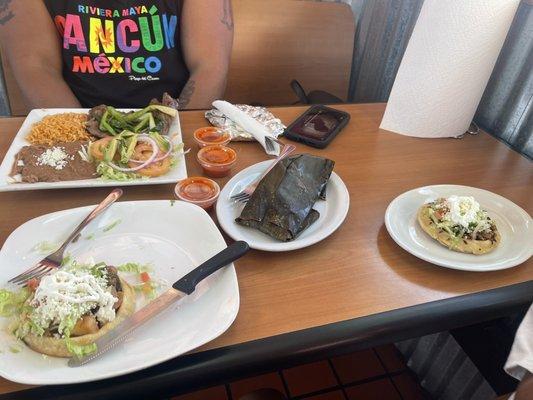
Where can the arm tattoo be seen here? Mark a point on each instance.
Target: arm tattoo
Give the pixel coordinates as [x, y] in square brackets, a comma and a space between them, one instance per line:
[186, 94]
[5, 12]
[227, 18]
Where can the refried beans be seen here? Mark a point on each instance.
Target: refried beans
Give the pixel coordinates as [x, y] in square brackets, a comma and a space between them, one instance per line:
[60, 162]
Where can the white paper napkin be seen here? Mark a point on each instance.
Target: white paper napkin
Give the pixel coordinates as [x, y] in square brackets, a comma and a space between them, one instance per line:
[249, 124]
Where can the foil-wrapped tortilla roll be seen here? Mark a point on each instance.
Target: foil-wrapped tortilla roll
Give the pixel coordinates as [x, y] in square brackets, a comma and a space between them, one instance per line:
[261, 114]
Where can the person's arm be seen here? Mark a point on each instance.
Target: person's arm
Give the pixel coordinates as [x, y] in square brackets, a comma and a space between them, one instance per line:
[207, 38]
[525, 389]
[32, 46]
[520, 361]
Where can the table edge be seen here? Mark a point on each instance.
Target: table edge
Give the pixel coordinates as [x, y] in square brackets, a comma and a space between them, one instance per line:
[214, 366]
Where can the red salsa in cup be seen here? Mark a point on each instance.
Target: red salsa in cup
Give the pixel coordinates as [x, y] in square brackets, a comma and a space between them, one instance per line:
[198, 190]
[216, 160]
[210, 136]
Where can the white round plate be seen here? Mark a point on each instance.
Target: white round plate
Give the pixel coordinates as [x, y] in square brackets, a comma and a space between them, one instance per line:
[332, 213]
[513, 223]
[174, 237]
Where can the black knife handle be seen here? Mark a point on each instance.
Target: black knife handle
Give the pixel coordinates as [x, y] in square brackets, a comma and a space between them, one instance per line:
[188, 283]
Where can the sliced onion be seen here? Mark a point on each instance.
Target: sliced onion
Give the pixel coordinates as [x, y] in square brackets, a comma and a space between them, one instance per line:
[149, 161]
[169, 151]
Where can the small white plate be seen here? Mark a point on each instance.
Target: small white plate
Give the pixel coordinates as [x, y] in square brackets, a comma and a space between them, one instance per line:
[175, 174]
[174, 237]
[513, 223]
[332, 213]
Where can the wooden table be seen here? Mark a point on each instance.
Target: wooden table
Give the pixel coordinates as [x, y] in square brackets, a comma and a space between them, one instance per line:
[355, 289]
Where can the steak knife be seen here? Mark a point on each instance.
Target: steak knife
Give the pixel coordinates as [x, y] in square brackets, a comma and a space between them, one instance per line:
[183, 287]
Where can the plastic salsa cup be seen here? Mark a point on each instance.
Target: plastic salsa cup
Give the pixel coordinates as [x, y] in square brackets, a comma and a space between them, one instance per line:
[216, 160]
[211, 136]
[198, 190]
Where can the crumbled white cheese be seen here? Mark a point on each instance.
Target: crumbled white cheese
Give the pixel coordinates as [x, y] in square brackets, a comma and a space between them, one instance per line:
[20, 163]
[463, 210]
[55, 157]
[14, 179]
[71, 294]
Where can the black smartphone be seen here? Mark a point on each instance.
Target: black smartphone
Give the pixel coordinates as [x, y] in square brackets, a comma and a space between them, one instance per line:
[318, 126]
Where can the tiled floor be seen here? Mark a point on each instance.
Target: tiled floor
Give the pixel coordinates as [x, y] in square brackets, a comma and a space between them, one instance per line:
[375, 374]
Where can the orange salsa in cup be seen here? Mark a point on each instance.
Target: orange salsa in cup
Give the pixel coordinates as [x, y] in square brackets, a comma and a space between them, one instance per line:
[216, 160]
[198, 190]
[210, 136]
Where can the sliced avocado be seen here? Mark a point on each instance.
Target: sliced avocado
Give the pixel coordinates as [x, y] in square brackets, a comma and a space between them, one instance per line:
[129, 149]
[161, 143]
[143, 121]
[164, 109]
[151, 121]
[130, 117]
[110, 150]
[126, 134]
[103, 120]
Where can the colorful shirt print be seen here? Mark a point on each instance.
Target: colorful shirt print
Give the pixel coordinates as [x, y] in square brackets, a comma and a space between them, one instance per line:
[121, 53]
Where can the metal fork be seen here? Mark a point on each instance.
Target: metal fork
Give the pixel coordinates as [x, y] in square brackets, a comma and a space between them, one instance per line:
[246, 193]
[54, 260]
[269, 143]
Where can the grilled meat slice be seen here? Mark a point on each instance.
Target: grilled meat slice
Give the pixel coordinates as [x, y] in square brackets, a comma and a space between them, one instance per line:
[93, 121]
[116, 287]
[113, 279]
[166, 120]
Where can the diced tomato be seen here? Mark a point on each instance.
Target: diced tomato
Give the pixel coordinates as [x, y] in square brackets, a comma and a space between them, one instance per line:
[146, 288]
[32, 284]
[145, 277]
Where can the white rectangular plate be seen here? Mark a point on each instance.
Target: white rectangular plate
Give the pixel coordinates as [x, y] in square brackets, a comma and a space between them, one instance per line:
[175, 174]
[174, 237]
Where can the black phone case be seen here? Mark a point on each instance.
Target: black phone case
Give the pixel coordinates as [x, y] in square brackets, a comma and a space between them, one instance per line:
[320, 144]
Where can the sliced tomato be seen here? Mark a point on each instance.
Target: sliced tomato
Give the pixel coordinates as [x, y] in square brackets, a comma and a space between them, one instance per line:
[33, 284]
[145, 277]
[439, 214]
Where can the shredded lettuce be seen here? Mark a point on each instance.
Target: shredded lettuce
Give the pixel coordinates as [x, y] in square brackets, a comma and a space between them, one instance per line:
[11, 302]
[134, 267]
[107, 173]
[178, 148]
[78, 350]
[163, 144]
[45, 247]
[443, 225]
[20, 330]
[99, 270]
[110, 226]
[173, 162]
[27, 326]
[15, 349]
[95, 269]
[36, 329]
[67, 260]
[149, 289]
[67, 324]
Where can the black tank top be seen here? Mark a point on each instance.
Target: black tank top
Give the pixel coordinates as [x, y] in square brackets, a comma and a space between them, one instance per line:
[120, 52]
